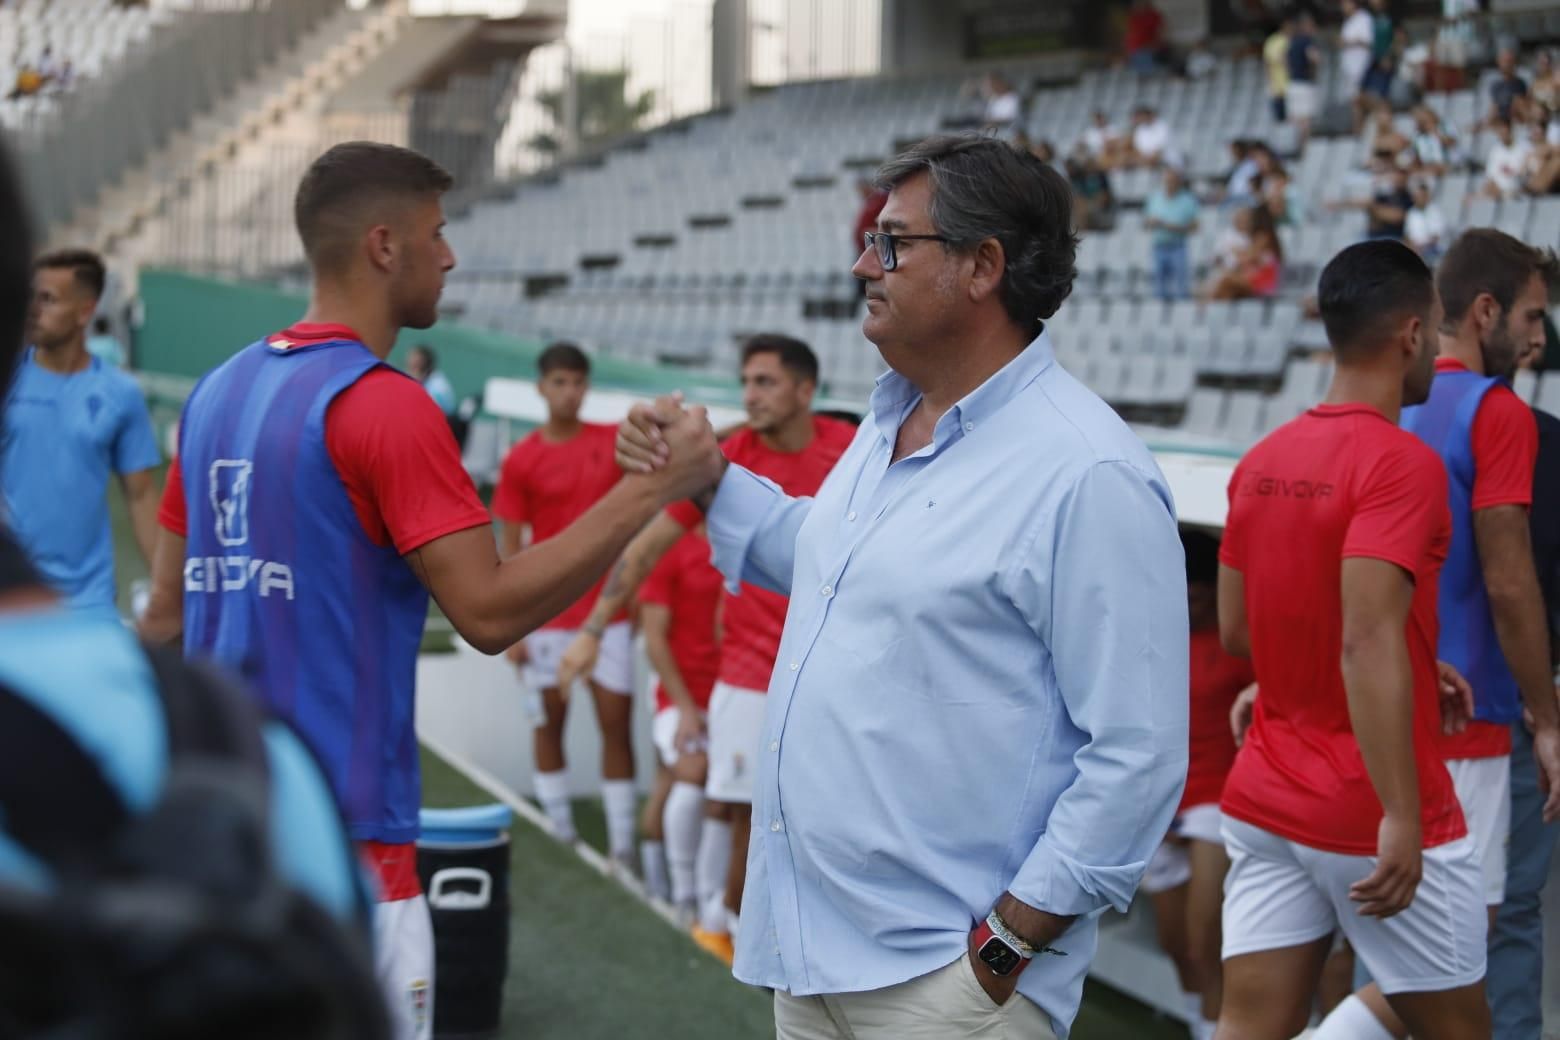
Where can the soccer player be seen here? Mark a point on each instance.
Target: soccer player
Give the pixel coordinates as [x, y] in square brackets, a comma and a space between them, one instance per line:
[549, 479]
[71, 421]
[1339, 811]
[679, 605]
[1217, 678]
[1495, 291]
[785, 442]
[318, 499]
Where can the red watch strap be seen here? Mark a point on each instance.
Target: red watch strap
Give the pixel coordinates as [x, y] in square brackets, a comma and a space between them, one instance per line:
[983, 935]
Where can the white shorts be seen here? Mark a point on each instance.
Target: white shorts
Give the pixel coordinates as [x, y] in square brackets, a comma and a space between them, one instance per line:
[614, 664]
[1280, 893]
[663, 734]
[1200, 823]
[1169, 867]
[403, 961]
[736, 724]
[1484, 789]
[1300, 100]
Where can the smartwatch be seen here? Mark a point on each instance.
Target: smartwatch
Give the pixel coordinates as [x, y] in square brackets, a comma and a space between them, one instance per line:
[999, 949]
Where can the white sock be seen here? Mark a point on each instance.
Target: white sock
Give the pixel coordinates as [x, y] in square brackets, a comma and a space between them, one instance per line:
[652, 864]
[622, 803]
[552, 790]
[1351, 1020]
[680, 822]
[710, 874]
[733, 924]
[1192, 1002]
[1204, 1028]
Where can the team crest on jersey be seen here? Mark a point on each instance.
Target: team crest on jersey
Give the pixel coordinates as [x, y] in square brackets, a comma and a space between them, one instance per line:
[94, 405]
[417, 996]
[230, 499]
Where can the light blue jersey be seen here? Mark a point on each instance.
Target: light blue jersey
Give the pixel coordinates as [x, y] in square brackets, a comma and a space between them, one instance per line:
[63, 436]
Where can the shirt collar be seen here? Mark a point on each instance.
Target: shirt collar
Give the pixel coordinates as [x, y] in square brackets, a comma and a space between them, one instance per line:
[894, 395]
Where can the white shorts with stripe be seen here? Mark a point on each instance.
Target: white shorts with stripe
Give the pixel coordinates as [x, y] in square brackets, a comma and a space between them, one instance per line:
[614, 664]
[403, 961]
[736, 726]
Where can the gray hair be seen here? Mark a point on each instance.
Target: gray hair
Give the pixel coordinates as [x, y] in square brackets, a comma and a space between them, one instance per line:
[984, 188]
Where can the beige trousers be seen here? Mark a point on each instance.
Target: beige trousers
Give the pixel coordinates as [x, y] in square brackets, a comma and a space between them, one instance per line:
[947, 1004]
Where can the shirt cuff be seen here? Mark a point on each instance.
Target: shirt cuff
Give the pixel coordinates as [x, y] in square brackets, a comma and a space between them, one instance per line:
[742, 500]
[1051, 881]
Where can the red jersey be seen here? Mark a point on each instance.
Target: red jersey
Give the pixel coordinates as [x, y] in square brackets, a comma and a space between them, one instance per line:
[1217, 679]
[755, 619]
[1505, 454]
[687, 584]
[550, 485]
[1339, 482]
[393, 450]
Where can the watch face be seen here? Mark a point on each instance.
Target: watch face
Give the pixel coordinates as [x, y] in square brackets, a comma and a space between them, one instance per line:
[1001, 958]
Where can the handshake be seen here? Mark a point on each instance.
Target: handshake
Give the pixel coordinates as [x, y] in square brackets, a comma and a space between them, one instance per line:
[672, 445]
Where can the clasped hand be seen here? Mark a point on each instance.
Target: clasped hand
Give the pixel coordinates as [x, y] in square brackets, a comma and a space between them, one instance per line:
[673, 444]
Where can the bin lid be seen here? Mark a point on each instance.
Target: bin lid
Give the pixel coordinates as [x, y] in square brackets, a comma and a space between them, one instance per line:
[474, 824]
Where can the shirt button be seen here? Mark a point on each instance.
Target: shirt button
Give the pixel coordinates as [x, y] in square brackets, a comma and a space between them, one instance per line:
[827, 590]
[775, 826]
[852, 516]
[794, 666]
[969, 427]
[774, 745]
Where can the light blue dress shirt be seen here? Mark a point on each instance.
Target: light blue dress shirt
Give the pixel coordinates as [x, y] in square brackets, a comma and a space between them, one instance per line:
[982, 686]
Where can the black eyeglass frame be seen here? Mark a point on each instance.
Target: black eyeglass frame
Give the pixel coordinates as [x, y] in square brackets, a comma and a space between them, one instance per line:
[887, 245]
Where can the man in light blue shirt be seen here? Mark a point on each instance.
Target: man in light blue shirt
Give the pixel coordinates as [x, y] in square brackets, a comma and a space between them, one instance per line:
[1171, 214]
[976, 729]
[71, 421]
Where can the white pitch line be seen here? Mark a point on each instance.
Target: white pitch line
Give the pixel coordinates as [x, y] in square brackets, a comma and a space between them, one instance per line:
[538, 819]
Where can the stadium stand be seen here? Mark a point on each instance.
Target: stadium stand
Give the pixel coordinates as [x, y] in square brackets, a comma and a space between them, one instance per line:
[71, 43]
[672, 247]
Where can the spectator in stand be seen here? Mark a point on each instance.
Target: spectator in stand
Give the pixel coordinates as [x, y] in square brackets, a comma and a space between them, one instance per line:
[1386, 211]
[1282, 198]
[1244, 173]
[1504, 164]
[1433, 146]
[1275, 55]
[1171, 214]
[1303, 57]
[28, 82]
[1388, 144]
[1542, 172]
[1200, 60]
[1545, 89]
[1257, 270]
[1354, 50]
[1425, 228]
[1507, 88]
[1232, 243]
[1145, 38]
[1150, 143]
[1093, 202]
[48, 67]
[1377, 84]
[1104, 145]
[1003, 105]
[423, 365]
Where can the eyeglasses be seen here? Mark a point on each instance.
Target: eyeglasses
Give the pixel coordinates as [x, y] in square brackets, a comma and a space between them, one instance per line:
[887, 245]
